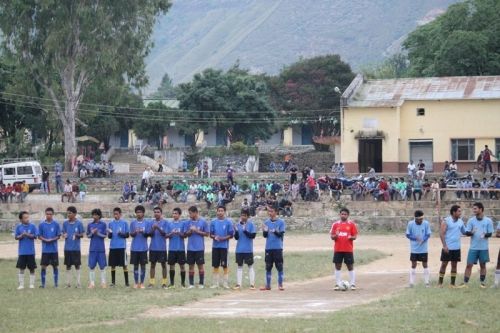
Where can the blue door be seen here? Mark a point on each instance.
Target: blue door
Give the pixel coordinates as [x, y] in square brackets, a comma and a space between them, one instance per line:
[123, 138]
[307, 134]
[220, 137]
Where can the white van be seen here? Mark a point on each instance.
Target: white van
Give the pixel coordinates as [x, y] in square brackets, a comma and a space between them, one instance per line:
[16, 172]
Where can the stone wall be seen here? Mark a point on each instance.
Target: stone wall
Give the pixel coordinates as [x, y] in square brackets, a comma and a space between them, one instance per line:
[320, 161]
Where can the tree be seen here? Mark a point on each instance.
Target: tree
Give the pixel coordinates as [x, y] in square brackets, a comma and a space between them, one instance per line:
[166, 88]
[394, 67]
[153, 122]
[305, 93]
[463, 41]
[67, 45]
[233, 101]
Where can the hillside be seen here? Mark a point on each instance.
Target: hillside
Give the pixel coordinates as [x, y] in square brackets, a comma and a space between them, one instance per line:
[265, 35]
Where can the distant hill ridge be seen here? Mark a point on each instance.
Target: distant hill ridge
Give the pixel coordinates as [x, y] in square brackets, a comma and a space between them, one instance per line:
[265, 35]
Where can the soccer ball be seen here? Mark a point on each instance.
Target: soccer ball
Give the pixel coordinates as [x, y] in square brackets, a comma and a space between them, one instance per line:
[345, 285]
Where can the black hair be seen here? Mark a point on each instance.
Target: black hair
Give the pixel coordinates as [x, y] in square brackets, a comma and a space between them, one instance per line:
[22, 213]
[419, 213]
[345, 210]
[158, 208]
[49, 209]
[479, 205]
[220, 206]
[71, 209]
[245, 212]
[96, 211]
[117, 209]
[139, 208]
[193, 209]
[178, 210]
[454, 208]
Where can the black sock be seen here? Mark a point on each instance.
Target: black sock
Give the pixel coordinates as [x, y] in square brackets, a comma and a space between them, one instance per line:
[441, 277]
[172, 276]
[125, 275]
[183, 278]
[113, 275]
[453, 277]
[482, 278]
[202, 277]
[191, 278]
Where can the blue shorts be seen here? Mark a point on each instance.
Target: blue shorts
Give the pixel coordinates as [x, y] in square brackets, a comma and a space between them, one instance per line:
[97, 258]
[474, 255]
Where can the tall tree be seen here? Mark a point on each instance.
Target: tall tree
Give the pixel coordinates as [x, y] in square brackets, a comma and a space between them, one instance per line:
[67, 45]
[166, 88]
[305, 93]
[233, 101]
[463, 41]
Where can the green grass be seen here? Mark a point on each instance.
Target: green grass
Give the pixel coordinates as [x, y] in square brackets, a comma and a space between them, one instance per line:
[416, 310]
[29, 310]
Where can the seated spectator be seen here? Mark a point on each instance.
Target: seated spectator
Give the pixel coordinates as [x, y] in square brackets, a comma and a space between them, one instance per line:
[336, 188]
[245, 204]
[68, 192]
[417, 189]
[383, 190]
[8, 193]
[111, 169]
[126, 191]
[133, 191]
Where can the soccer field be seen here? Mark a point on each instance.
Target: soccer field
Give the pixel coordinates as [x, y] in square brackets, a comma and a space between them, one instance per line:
[382, 303]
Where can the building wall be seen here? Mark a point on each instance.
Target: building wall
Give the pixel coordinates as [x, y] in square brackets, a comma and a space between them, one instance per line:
[443, 121]
[174, 139]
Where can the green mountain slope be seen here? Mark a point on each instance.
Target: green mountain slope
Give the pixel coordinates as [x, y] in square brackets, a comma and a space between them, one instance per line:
[265, 35]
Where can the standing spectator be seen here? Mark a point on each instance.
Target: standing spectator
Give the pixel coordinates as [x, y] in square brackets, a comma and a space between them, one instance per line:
[412, 169]
[82, 189]
[45, 180]
[229, 174]
[68, 192]
[421, 170]
[434, 189]
[487, 159]
[453, 169]
[58, 169]
[184, 165]
[25, 189]
[293, 173]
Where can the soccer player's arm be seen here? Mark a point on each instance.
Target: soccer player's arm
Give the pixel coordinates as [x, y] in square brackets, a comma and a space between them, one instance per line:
[354, 234]
[110, 232]
[33, 234]
[133, 231]
[280, 232]
[427, 233]
[489, 230]
[333, 234]
[19, 235]
[163, 228]
[89, 233]
[102, 232]
[265, 230]
[40, 236]
[468, 229]
[212, 230]
[409, 235]
[204, 231]
[442, 233]
[236, 233]
[126, 231]
[58, 233]
[230, 231]
[498, 230]
[250, 233]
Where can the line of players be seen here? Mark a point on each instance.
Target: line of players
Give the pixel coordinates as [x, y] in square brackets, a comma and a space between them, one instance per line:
[158, 230]
[478, 227]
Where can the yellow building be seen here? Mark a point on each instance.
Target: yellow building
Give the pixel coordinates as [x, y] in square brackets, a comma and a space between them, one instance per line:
[386, 123]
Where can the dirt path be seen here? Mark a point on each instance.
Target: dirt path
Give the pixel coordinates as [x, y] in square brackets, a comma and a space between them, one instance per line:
[376, 280]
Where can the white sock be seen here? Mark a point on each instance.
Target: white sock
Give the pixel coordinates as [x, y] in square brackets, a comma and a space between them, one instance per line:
[32, 280]
[78, 275]
[92, 276]
[338, 277]
[226, 279]
[251, 275]
[427, 275]
[216, 279]
[352, 277]
[21, 279]
[103, 276]
[413, 273]
[239, 275]
[497, 277]
[68, 276]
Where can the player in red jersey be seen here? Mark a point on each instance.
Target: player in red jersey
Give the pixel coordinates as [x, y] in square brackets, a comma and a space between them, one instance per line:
[343, 233]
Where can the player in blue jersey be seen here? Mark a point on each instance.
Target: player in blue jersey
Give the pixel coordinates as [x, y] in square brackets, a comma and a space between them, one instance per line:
[497, 272]
[452, 228]
[176, 247]
[196, 229]
[72, 232]
[221, 231]
[418, 231]
[26, 234]
[479, 228]
[118, 232]
[49, 233]
[157, 247]
[274, 232]
[244, 233]
[97, 232]
[139, 246]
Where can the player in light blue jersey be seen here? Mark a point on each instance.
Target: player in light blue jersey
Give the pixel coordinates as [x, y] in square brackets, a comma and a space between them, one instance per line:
[418, 232]
[72, 232]
[118, 232]
[480, 229]
[221, 231]
[196, 229]
[274, 232]
[49, 233]
[97, 231]
[157, 247]
[139, 246]
[26, 233]
[452, 228]
[176, 247]
[244, 233]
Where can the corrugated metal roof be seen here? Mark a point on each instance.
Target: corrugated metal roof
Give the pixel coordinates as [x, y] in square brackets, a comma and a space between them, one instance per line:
[393, 92]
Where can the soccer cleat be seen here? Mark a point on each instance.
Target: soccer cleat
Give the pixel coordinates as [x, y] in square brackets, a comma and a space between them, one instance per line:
[20, 288]
[201, 286]
[91, 286]
[127, 285]
[191, 286]
[172, 286]
[337, 288]
[225, 286]
[353, 287]
[41, 287]
[427, 285]
[237, 287]
[265, 288]
[78, 286]
[452, 286]
[214, 286]
[281, 288]
[150, 286]
[164, 286]
[104, 285]
[111, 285]
[252, 287]
[482, 285]
[67, 286]
[32, 286]
[463, 285]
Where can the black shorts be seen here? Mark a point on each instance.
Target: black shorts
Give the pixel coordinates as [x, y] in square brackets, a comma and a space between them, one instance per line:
[176, 257]
[27, 260]
[50, 259]
[343, 257]
[452, 255]
[246, 258]
[418, 257]
[195, 257]
[117, 257]
[158, 256]
[72, 258]
[274, 257]
[219, 257]
[138, 257]
[498, 259]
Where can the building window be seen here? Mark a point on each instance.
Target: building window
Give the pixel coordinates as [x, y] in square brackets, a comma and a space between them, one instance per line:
[497, 148]
[420, 112]
[462, 149]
